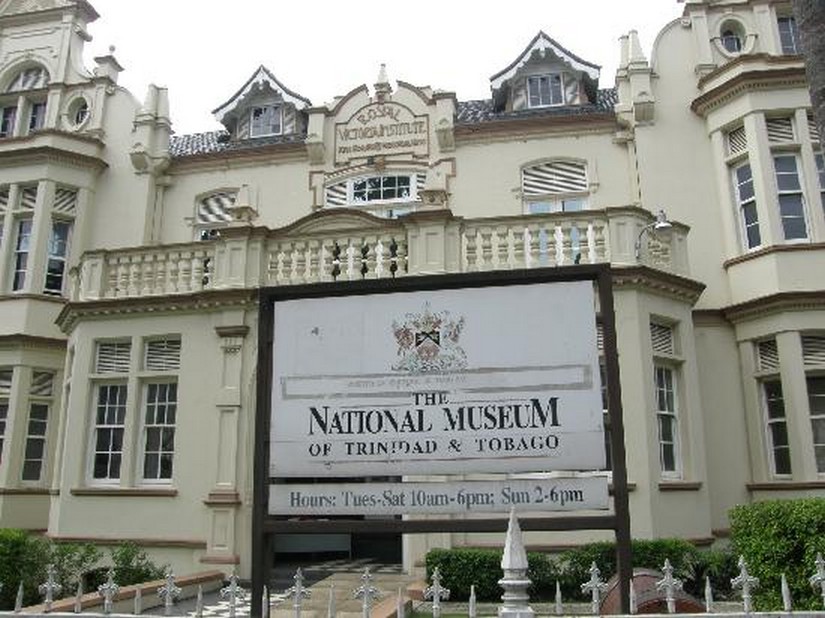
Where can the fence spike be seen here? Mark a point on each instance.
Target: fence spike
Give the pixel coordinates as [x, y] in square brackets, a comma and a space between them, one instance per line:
[298, 592]
[708, 596]
[18, 602]
[233, 592]
[108, 591]
[558, 608]
[472, 607]
[168, 592]
[670, 585]
[634, 606]
[367, 591]
[787, 602]
[595, 586]
[78, 597]
[265, 602]
[138, 608]
[437, 592]
[747, 582]
[400, 610]
[818, 578]
[331, 609]
[49, 588]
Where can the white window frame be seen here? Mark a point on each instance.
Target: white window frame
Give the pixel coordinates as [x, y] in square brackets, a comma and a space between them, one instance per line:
[33, 436]
[56, 257]
[21, 253]
[798, 192]
[789, 38]
[771, 422]
[36, 116]
[667, 412]
[96, 426]
[8, 120]
[819, 159]
[263, 131]
[744, 203]
[534, 81]
[4, 408]
[816, 418]
[150, 424]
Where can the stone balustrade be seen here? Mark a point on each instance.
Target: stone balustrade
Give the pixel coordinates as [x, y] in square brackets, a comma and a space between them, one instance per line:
[345, 245]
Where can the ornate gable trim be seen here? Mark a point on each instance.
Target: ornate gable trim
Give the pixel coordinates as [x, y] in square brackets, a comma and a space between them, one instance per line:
[259, 78]
[542, 43]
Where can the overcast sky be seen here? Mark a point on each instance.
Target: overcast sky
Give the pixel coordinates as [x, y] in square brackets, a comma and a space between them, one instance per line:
[204, 50]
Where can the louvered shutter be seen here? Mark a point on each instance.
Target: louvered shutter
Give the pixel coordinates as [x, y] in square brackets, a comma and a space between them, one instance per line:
[214, 208]
[600, 337]
[5, 381]
[4, 198]
[554, 177]
[65, 201]
[737, 141]
[767, 355]
[813, 350]
[780, 130]
[813, 129]
[336, 195]
[42, 382]
[661, 337]
[163, 355]
[113, 357]
[28, 197]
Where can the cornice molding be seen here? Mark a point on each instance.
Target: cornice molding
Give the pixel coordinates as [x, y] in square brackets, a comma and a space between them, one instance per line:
[750, 81]
[537, 126]
[657, 281]
[776, 303]
[19, 340]
[207, 300]
[753, 255]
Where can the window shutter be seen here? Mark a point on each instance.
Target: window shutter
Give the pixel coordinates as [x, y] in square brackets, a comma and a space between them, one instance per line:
[600, 337]
[65, 201]
[28, 197]
[554, 177]
[5, 381]
[768, 355]
[42, 383]
[113, 357]
[336, 195]
[662, 339]
[163, 355]
[813, 129]
[420, 182]
[813, 350]
[780, 130]
[4, 198]
[214, 208]
[737, 141]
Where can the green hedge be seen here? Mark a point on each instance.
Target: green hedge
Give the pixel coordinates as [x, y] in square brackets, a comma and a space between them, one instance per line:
[781, 536]
[461, 568]
[24, 557]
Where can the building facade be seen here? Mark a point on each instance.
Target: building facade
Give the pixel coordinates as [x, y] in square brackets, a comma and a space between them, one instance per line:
[131, 259]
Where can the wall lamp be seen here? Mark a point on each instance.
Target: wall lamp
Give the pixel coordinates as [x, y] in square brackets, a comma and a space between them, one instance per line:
[661, 224]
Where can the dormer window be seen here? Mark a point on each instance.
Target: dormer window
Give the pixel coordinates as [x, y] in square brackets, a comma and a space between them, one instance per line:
[545, 90]
[265, 120]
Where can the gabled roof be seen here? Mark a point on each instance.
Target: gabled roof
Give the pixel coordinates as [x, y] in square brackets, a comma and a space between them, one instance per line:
[259, 78]
[541, 43]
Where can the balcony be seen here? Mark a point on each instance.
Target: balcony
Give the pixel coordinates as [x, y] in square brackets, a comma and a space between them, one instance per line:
[346, 245]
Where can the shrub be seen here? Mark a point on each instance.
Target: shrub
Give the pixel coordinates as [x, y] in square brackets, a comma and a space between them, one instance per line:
[23, 557]
[72, 562]
[132, 565]
[781, 536]
[717, 564]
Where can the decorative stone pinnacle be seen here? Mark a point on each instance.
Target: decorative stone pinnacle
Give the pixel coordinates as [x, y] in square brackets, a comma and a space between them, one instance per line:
[514, 557]
[514, 581]
[787, 601]
[108, 591]
[382, 84]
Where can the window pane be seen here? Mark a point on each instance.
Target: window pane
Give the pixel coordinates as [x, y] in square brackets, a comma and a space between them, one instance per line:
[782, 461]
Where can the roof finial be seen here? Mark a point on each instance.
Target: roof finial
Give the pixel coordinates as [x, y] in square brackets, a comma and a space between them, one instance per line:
[382, 83]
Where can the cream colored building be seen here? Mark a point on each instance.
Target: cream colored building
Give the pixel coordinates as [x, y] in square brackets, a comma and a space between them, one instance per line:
[130, 260]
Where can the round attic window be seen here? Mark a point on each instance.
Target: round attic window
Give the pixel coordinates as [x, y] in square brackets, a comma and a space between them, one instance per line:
[78, 112]
[732, 37]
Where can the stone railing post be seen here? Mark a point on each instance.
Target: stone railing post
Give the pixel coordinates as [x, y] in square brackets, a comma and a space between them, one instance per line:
[91, 277]
[433, 242]
[239, 258]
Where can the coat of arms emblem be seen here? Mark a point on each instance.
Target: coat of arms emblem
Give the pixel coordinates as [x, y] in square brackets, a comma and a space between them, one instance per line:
[428, 342]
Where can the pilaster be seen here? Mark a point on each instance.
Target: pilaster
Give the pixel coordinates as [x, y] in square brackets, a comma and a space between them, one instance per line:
[40, 238]
[795, 395]
[434, 242]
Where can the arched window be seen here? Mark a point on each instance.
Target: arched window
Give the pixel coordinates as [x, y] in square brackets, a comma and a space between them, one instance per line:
[212, 213]
[385, 195]
[31, 78]
[554, 186]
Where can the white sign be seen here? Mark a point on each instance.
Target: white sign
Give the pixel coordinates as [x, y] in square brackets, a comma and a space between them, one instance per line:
[553, 494]
[382, 129]
[494, 379]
